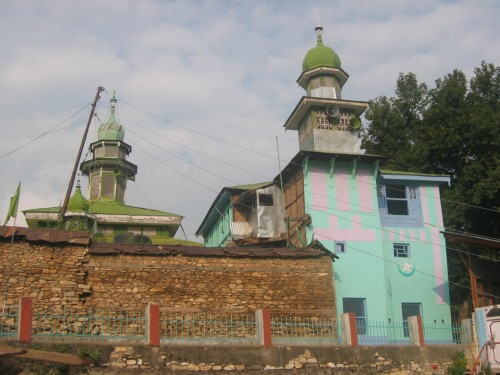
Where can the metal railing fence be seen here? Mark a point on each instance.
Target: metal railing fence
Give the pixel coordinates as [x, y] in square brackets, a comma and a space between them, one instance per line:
[208, 327]
[91, 325]
[220, 327]
[304, 329]
[8, 322]
[440, 333]
[397, 333]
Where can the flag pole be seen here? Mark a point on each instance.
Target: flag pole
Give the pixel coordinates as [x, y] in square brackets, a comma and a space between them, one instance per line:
[13, 208]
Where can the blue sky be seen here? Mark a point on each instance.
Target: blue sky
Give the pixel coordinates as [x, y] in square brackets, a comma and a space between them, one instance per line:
[203, 87]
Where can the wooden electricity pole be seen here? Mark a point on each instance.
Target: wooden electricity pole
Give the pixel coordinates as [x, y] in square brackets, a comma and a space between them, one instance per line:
[77, 161]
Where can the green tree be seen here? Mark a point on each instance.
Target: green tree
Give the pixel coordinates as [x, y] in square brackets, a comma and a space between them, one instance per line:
[395, 124]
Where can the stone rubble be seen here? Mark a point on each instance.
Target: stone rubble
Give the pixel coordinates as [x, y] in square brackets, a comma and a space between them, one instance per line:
[123, 357]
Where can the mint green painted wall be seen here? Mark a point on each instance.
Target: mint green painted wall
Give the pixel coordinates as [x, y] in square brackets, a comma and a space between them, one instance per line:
[368, 268]
[221, 231]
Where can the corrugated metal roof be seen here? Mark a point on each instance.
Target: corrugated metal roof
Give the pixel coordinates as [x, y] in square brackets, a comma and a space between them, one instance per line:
[237, 252]
[83, 238]
[46, 235]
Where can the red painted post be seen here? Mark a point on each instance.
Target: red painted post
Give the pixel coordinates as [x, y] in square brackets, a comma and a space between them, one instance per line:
[24, 320]
[263, 326]
[153, 324]
[353, 329]
[421, 341]
[266, 323]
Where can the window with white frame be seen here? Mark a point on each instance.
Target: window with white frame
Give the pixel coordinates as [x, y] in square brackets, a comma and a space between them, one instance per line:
[399, 205]
[401, 250]
[397, 199]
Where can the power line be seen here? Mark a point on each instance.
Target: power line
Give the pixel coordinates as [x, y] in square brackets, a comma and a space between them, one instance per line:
[390, 231]
[43, 134]
[268, 156]
[416, 270]
[41, 115]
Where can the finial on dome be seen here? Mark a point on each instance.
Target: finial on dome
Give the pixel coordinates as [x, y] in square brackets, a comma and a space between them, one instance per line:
[318, 29]
[319, 32]
[113, 102]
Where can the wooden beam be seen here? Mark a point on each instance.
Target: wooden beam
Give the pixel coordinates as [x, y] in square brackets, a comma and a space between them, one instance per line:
[45, 356]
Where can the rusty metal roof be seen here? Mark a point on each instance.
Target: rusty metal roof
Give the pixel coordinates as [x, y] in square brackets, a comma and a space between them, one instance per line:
[46, 235]
[83, 238]
[192, 251]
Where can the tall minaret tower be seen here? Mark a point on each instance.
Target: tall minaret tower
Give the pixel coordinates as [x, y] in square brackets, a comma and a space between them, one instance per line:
[109, 170]
[325, 121]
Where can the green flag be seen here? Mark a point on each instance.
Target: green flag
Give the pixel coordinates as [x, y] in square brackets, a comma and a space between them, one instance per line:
[14, 202]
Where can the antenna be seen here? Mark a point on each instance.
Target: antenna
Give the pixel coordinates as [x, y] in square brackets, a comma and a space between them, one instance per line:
[316, 10]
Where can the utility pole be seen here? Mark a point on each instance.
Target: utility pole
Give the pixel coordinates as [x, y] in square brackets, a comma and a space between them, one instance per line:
[77, 161]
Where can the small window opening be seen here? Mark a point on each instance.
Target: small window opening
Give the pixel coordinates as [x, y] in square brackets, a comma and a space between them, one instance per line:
[339, 247]
[266, 199]
[401, 250]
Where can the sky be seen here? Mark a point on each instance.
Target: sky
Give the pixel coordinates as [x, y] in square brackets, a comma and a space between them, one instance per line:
[203, 87]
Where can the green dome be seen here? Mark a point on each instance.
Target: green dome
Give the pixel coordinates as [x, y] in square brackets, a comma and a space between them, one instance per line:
[320, 55]
[111, 130]
[77, 202]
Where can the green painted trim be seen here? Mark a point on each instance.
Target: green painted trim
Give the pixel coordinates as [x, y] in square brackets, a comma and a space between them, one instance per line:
[375, 168]
[354, 164]
[305, 169]
[331, 173]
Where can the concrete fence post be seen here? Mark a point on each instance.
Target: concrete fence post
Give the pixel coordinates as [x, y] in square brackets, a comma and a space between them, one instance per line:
[153, 324]
[263, 327]
[349, 330]
[24, 320]
[416, 330]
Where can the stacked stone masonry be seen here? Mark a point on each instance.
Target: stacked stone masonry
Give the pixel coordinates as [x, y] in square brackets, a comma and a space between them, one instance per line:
[68, 276]
[332, 360]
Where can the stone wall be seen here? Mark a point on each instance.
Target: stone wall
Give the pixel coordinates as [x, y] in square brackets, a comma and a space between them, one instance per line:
[210, 282]
[57, 275]
[51, 274]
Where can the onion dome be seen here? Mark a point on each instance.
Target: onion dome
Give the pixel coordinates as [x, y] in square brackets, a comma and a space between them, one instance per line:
[320, 55]
[77, 202]
[111, 130]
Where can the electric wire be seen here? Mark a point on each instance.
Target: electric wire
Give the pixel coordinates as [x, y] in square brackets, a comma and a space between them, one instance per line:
[198, 133]
[41, 115]
[416, 270]
[390, 231]
[43, 134]
[264, 155]
[330, 214]
[337, 199]
[36, 135]
[196, 151]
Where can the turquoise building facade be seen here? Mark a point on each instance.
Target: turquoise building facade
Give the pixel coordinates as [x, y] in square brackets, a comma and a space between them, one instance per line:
[385, 227]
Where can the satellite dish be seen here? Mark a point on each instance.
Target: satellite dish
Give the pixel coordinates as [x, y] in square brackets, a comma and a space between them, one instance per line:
[332, 111]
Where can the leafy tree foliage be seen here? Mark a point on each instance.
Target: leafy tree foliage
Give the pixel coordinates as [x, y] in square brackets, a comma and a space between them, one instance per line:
[452, 129]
